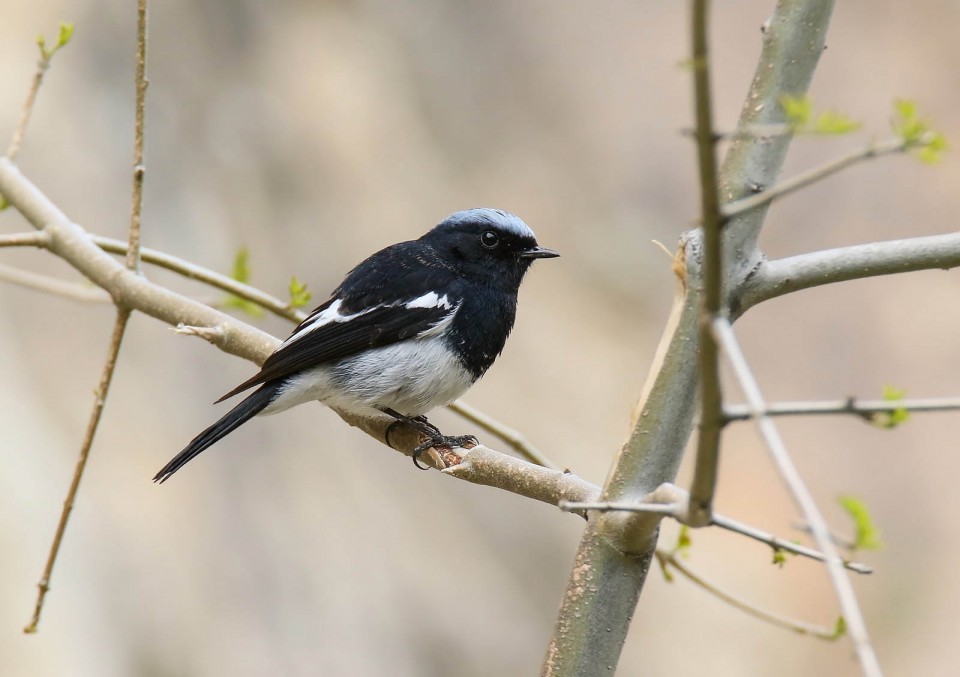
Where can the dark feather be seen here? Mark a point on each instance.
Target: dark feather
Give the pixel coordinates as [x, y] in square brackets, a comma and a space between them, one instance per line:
[240, 414]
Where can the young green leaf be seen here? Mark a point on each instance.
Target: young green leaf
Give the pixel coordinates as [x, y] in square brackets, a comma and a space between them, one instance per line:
[840, 628]
[683, 541]
[3, 203]
[798, 110]
[66, 32]
[830, 122]
[779, 557]
[891, 419]
[241, 273]
[866, 534]
[299, 294]
[923, 142]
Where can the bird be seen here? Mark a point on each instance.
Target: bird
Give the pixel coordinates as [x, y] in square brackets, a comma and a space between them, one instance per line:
[409, 329]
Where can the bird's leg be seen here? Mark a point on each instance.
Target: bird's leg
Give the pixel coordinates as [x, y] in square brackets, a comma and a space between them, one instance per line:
[434, 437]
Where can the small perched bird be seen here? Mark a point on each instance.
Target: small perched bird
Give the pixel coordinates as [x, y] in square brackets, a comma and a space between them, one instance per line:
[409, 329]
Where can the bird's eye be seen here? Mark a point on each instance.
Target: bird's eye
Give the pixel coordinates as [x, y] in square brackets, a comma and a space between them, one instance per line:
[489, 239]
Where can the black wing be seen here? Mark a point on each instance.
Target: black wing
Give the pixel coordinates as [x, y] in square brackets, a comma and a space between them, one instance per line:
[372, 308]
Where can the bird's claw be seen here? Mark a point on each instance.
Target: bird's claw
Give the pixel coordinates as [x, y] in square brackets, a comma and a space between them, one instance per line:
[442, 442]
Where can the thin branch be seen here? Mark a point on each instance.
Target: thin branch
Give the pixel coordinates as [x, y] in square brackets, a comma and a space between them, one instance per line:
[43, 63]
[865, 409]
[51, 285]
[783, 276]
[801, 495]
[514, 439]
[99, 398]
[711, 399]
[677, 510]
[37, 238]
[890, 146]
[119, 328]
[780, 544]
[670, 559]
[140, 85]
[205, 275]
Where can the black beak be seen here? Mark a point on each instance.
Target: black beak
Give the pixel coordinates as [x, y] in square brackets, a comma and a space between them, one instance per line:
[538, 253]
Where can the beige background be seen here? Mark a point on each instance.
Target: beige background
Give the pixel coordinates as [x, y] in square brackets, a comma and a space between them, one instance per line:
[317, 132]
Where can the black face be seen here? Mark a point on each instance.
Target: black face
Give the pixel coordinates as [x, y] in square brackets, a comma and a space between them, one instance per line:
[487, 244]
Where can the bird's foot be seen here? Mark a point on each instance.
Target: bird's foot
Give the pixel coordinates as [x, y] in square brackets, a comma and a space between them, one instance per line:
[439, 441]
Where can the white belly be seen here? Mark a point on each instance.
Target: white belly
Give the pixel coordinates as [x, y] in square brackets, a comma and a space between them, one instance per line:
[411, 377]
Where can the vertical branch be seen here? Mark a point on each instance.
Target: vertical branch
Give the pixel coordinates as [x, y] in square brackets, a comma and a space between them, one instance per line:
[140, 80]
[606, 580]
[856, 626]
[119, 327]
[711, 418]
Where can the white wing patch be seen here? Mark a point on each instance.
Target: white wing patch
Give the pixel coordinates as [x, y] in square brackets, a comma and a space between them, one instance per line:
[430, 300]
[331, 314]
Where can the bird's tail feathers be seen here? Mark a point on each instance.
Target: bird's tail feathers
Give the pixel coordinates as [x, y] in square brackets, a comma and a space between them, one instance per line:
[233, 419]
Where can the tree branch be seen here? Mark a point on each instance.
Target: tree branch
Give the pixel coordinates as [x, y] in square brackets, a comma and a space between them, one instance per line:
[865, 409]
[743, 205]
[782, 276]
[670, 559]
[804, 500]
[711, 399]
[51, 285]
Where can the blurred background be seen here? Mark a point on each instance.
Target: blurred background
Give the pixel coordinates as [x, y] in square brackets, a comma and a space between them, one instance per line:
[317, 132]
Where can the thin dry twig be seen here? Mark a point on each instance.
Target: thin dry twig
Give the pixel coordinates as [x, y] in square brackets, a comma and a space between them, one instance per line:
[865, 409]
[704, 483]
[37, 238]
[890, 146]
[848, 600]
[677, 510]
[119, 328]
[51, 285]
[669, 559]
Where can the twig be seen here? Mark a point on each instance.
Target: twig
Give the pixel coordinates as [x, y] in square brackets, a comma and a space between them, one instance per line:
[676, 509]
[780, 544]
[801, 495]
[99, 399]
[670, 559]
[205, 275]
[140, 85]
[119, 328]
[704, 482]
[52, 285]
[514, 439]
[894, 145]
[783, 276]
[35, 239]
[854, 407]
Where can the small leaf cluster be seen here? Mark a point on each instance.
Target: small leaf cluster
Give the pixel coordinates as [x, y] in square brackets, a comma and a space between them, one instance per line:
[66, 32]
[803, 119]
[925, 143]
[241, 273]
[866, 533]
[891, 419]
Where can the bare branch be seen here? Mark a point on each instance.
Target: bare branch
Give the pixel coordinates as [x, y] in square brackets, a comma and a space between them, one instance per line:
[120, 326]
[52, 285]
[801, 495]
[711, 399]
[514, 439]
[673, 504]
[895, 145]
[140, 85]
[865, 409]
[670, 559]
[782, 276]
[99, 398]
[34, 239]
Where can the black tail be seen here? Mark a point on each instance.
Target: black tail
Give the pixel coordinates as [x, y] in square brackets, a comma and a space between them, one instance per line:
[233, 419]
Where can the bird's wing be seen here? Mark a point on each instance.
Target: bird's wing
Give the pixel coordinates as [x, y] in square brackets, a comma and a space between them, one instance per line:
[330, 333]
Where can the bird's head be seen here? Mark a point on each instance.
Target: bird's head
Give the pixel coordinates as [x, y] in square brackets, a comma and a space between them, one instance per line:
[488, 244]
